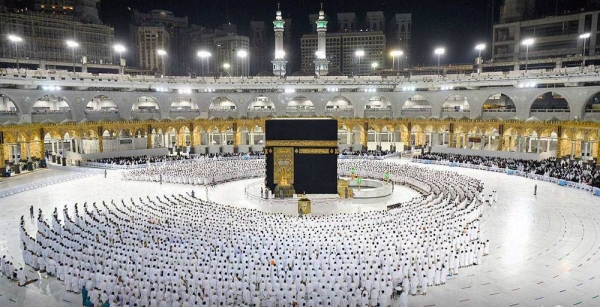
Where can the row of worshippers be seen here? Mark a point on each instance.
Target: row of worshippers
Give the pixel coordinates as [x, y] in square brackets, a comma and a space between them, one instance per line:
[199, 172]
[571, 170]
[145, 159]
[8, 269]
[182, 251]
[366, 153]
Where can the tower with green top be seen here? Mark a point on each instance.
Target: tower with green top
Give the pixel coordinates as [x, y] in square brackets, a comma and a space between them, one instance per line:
[279, 63]
[321, 61]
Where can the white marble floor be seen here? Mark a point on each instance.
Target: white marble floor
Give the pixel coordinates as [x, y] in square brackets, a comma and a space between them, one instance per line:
[545, 249]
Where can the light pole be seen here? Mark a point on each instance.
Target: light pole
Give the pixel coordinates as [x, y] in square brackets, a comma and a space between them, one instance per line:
[120, 49]
[374, 65]
[162, 53]
[359, 54]
[439, 52]
[396, 54]
[203, 55]
[16, 40]
[73, 45]
[584, 36]
[527, 42]
[479, 48]
[242, 54]
[226, 68]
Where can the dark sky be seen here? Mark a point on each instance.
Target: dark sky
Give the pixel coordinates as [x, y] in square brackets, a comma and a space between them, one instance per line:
[455, 24]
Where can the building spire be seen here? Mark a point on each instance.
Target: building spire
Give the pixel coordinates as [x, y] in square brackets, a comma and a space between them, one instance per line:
[279, 62]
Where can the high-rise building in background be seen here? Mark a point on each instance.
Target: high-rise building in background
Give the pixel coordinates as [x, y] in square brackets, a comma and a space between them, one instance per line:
[375, 21]
[347, 22]
[226, 52]
[400, 37]
[154, 31]
[516, 10]
[555, 30]
[341, 51]
[44, 36]
[261, 47]
[553, 37]
[353, 34]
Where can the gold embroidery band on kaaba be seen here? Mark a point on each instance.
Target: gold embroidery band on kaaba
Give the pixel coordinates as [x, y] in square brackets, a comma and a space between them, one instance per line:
[315, 151]
[301, 143]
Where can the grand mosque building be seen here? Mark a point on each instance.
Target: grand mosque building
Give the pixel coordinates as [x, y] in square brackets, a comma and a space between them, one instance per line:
[195, 208]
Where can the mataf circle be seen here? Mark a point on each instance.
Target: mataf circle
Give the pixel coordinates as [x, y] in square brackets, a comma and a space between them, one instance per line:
[209, 254]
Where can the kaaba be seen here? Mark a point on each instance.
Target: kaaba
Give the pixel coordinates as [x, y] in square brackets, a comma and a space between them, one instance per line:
[301, 155]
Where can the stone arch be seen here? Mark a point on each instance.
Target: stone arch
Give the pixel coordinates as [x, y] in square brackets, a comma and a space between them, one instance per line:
[183, 104]
[52, 103]
[125, 133]
[339, 106]
[550, 105]
[299, 106]
[378, 107]
[184, 137]
[51, 108]
[183, 108]
[8, 105]
[101, 103]
[455, 106]
[222, 107]
[416, 105]
[499, 105]
[591, 110]
[101, 107]
[378, 102]
[146, 104]
[261, 106]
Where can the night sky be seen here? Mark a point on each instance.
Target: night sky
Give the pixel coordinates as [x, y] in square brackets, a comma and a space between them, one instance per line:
[457, 25]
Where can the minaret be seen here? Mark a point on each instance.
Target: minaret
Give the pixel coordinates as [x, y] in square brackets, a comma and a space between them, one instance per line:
[279, 62]
[321, 62]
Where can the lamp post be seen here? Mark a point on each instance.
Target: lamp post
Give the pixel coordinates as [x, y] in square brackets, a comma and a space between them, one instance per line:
[359, 54]
[584, 36]
[73, 45]
[226, 68]
[479, 48]
[203, 55]
[162, 53]
[396, 54]
[16, 40]
[439, 52]
[120, 49]
[374, 65]
[242, 54]
[527, 42]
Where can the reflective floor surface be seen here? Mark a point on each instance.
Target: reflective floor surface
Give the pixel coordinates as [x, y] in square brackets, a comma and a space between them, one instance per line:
[545, 249]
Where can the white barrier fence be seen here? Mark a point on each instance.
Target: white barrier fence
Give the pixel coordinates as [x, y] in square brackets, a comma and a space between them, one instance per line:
[561, 182]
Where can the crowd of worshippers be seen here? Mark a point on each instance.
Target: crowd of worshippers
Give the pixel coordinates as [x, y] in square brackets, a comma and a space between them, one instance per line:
[571, 170]
[198, 172]
[8, 269]
[367, 153]
[182, 251]
[137, 160]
